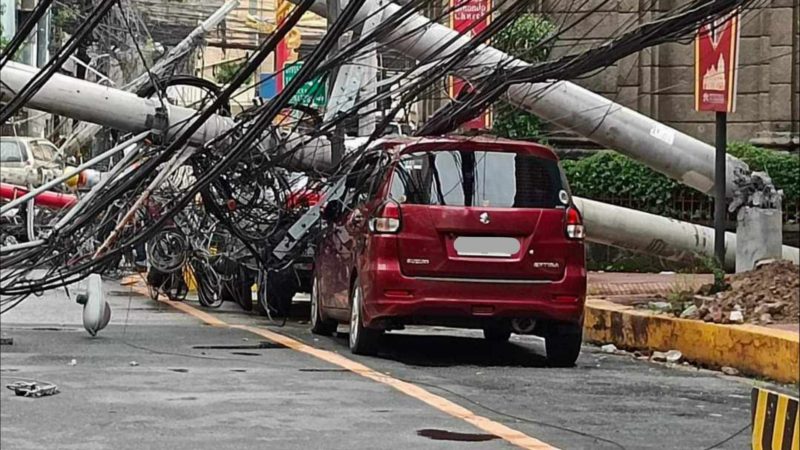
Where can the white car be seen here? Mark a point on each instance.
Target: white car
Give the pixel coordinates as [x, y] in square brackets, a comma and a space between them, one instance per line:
[27, 161]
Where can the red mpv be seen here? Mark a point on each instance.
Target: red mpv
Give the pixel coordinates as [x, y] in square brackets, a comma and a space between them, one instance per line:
[462, 232]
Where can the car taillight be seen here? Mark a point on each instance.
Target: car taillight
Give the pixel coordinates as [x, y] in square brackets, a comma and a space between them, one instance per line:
[574, 224]
[387, 220]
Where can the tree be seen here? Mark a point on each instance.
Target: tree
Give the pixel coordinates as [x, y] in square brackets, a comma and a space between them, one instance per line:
[522, 39]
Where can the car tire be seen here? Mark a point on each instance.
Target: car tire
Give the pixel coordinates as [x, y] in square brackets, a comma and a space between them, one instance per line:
[563, 344]
[362, 340]
[496, 333]
[280, 295]
[319, 325]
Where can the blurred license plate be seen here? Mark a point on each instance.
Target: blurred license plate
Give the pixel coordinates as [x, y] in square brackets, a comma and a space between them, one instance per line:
[486, 246]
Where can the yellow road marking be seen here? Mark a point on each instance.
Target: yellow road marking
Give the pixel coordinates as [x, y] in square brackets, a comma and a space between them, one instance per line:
[780, 421]
[758, 421]
[442, 404]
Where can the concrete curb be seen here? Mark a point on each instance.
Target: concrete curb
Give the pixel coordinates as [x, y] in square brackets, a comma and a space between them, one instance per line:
[751, 349]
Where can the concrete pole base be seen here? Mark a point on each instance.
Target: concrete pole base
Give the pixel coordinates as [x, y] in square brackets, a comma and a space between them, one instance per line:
[759, 236]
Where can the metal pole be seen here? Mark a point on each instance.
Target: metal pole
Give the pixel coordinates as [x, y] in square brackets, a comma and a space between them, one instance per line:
[720, 211]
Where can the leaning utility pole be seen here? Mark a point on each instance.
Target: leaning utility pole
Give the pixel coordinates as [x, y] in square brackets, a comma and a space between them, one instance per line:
[85, 132]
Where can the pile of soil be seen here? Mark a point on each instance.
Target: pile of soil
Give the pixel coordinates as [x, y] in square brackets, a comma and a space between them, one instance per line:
[768, 294]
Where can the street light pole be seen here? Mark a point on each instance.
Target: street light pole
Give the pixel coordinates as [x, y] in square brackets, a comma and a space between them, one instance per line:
[720, 210]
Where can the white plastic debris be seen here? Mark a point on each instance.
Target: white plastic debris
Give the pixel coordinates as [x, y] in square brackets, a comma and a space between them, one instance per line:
[609, 348]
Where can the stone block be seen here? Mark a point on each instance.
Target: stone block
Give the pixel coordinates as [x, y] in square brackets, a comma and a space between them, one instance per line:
[780, 65]
[751, 50]
[780, 26]
[676, 80]
[603, 82]
[628, 70]
[780, 96]
[753, 23]
[628, 96]
[674, 54]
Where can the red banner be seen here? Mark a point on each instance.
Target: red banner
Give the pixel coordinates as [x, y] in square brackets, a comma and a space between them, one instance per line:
[464, 14]
[286, 51]
[716, 54]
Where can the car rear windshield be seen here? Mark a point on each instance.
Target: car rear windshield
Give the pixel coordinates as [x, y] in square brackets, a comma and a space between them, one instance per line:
[11, 151]
[487, 179]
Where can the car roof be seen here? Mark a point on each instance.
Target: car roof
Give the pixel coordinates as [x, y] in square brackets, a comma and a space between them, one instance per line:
[24, 139]
[403, 145]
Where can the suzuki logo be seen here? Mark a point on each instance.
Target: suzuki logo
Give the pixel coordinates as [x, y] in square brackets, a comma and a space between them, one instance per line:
[484, 218]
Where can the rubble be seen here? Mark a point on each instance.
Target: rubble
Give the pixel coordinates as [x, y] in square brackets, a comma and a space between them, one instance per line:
[658, 357]
[729, 371]
[609, 348]
[768, 294]
[674, 356]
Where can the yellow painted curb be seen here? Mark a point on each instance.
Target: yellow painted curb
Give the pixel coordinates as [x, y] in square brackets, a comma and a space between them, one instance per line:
[751, 349]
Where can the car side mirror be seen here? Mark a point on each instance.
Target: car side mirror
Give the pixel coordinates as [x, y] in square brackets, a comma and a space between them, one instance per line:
[332, 210]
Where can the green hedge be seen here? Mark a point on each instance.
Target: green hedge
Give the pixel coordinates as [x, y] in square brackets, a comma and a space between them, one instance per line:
[608, 174]
[521, 39]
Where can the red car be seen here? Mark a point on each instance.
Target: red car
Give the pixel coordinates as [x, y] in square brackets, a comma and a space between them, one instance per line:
[461, 232]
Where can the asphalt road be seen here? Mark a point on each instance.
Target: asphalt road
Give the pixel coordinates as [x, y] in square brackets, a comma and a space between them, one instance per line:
[160, 378]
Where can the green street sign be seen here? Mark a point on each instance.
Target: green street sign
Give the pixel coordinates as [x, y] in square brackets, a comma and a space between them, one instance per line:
[311, 93]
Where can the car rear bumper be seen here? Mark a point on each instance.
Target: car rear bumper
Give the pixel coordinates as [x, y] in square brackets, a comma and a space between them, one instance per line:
[388, 295]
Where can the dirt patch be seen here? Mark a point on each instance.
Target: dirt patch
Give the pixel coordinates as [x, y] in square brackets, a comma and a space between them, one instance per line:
[768, 294]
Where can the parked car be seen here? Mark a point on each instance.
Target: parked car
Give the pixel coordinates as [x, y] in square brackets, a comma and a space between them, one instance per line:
[26, 161]
[454, 232]
[282, 285]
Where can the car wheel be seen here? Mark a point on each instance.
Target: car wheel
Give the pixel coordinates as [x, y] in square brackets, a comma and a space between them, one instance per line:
[319, 325]
[495, 333]
[563, 344]
[280, 294]
[363, 340]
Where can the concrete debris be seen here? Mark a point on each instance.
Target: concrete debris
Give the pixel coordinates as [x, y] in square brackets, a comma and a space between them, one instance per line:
[609, 348]
[689, 312]
[658, 357]
[659, 306]
[773, 288]
[729, 371]
[674, 356]
[765, 319]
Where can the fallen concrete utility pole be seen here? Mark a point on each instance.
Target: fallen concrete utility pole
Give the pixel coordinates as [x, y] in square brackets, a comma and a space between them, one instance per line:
[664, 149]
[658, 236]
[106, 106]
[84, 132]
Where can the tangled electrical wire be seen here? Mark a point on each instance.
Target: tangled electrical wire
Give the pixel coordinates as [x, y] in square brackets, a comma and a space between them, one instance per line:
[217, 209]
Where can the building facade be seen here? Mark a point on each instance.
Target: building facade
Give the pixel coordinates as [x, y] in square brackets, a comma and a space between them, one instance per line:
[659, 82]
